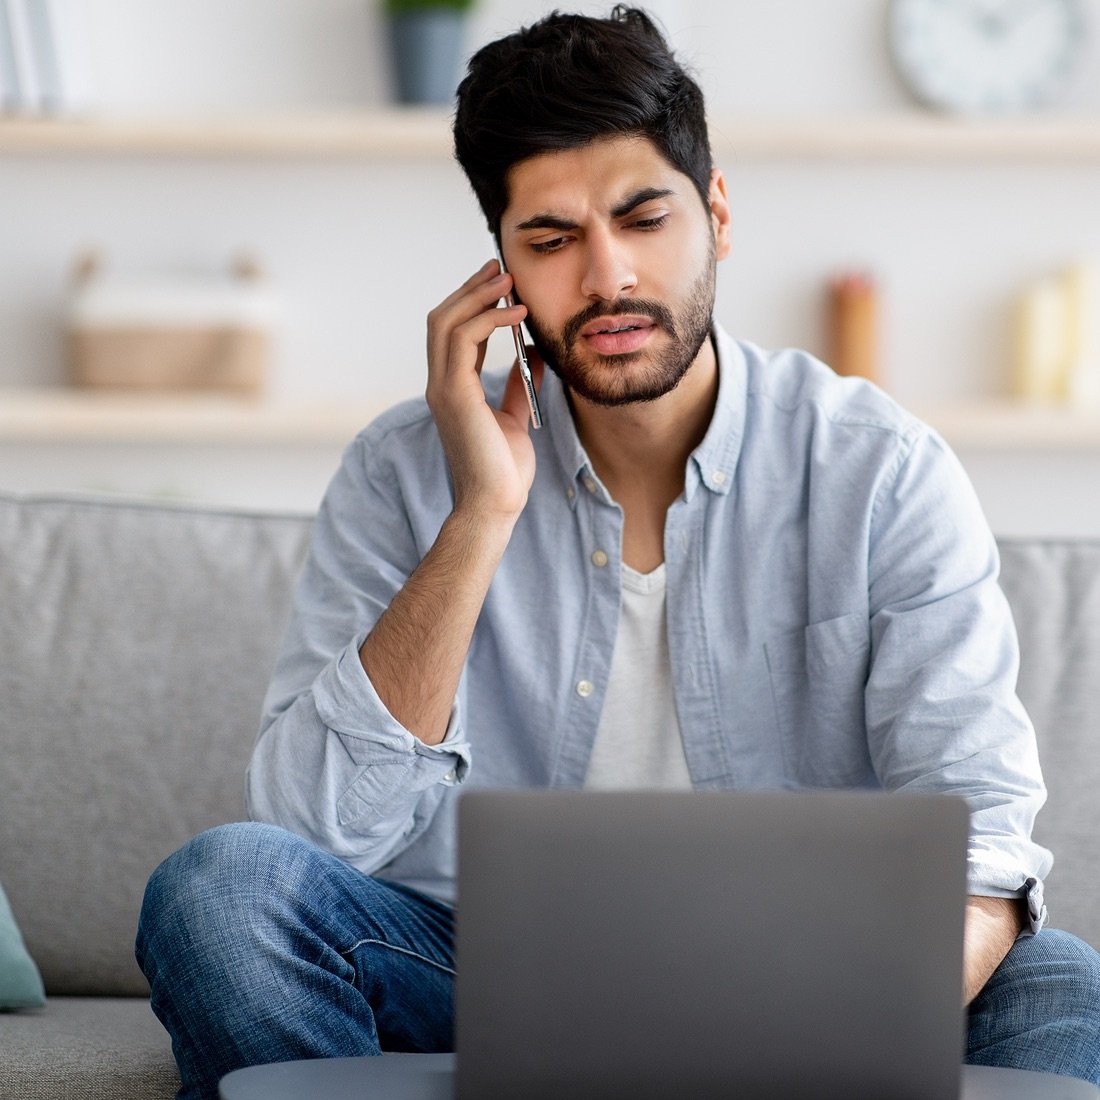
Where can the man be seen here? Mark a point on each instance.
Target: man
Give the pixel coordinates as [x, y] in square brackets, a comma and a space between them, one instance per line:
[713, 567]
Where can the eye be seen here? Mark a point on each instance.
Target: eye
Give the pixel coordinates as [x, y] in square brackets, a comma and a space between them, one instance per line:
[648, 225]
[543, 247]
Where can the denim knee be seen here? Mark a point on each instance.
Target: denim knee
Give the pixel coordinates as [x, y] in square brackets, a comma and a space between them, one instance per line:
[1071, 969]
[1075, 966]
[224, 877]
[1041, 1009]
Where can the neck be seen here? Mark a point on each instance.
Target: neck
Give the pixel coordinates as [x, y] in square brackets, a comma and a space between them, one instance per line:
[640, 453]
[641, 450]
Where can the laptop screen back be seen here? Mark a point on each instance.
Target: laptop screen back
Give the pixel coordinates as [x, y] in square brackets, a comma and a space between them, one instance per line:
[764, 944]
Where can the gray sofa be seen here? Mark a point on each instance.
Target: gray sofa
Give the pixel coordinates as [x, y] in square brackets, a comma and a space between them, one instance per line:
[135, 645]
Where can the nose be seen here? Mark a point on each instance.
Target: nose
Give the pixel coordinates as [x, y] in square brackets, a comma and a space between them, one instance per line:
[609, 271]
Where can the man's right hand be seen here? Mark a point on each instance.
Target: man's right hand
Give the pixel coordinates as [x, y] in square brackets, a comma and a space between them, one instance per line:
[489, 451]
[415, 654]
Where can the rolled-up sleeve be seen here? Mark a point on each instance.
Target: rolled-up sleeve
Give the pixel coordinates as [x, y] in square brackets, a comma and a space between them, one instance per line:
[331, 763]
[941, 703]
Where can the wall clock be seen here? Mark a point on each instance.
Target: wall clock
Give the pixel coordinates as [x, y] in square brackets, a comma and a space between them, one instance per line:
[986, 55]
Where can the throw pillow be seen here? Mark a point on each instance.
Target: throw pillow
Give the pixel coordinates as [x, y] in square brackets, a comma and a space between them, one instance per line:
[20, 982]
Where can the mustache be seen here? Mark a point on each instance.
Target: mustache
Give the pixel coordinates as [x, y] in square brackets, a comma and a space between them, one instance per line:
[647, 307]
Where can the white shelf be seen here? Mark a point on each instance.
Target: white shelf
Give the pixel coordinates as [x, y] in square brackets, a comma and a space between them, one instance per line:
[1005, 425]
[425, 132]
[909, 136]
[393, 132]
[59, 415]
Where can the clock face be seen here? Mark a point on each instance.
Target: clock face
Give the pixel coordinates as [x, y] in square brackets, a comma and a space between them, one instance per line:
[986, 55]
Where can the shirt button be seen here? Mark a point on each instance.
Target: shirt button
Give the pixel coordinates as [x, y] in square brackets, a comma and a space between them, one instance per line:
[599, 558]
[452, 776]
[585, 688]
[719, 477]
[590, 483]
[570, 493]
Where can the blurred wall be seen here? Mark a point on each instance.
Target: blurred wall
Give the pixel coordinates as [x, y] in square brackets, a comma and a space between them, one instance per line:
[359, 251]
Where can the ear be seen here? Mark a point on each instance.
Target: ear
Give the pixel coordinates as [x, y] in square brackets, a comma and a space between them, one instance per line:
[720, 214]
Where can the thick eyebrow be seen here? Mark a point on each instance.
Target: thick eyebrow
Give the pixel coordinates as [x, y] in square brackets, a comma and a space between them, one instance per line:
[547, 221]
[646, 194]
[556, 221]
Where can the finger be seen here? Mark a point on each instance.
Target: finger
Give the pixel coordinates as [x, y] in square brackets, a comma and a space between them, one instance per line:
[460, 362]
[488, 270]
[469, 337]
[445, 318]
[479, 296]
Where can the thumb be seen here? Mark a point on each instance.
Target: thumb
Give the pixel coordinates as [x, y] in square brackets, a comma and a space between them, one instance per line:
[514, 402]
[538, 367]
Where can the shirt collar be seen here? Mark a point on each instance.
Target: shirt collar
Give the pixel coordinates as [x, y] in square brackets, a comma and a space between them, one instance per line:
[715, 459]
[558, 423]
[712, 463]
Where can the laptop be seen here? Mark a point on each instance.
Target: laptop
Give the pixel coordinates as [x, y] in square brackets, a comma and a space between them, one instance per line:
[641, 944]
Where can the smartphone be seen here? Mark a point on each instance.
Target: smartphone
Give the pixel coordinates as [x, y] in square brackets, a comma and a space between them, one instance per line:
[521, 354]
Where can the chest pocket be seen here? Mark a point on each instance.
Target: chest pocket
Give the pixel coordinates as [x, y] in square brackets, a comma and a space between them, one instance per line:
[818, 675]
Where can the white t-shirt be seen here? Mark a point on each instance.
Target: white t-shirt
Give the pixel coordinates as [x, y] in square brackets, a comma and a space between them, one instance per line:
[638, 741]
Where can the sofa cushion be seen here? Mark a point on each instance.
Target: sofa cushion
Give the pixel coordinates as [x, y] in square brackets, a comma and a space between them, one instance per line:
[136, 642]
[87, 1048]
[20, 982]
[1054, 589]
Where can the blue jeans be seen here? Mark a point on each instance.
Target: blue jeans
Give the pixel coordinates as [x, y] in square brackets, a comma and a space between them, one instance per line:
[259, 947]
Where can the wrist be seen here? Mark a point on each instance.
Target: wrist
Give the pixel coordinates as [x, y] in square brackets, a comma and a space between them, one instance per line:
[480, 534]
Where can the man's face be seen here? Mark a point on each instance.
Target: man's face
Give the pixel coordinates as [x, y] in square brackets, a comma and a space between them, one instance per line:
[614, 256]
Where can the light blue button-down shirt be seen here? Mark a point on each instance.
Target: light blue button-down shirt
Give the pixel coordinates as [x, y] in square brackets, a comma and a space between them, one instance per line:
[834, 620]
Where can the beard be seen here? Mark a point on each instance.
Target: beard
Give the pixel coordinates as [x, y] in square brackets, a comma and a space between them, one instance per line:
[602, 379]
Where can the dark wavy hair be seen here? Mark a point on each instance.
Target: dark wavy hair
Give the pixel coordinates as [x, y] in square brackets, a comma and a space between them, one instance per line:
[567, 80]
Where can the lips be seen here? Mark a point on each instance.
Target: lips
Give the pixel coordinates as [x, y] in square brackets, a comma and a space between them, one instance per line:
[617, 323]
[618, 334]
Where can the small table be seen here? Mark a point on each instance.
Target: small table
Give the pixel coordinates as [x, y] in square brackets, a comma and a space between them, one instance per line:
[431, 1077]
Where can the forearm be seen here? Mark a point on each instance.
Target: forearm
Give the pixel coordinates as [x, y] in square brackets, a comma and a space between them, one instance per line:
[992, 925]
[415, 654]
